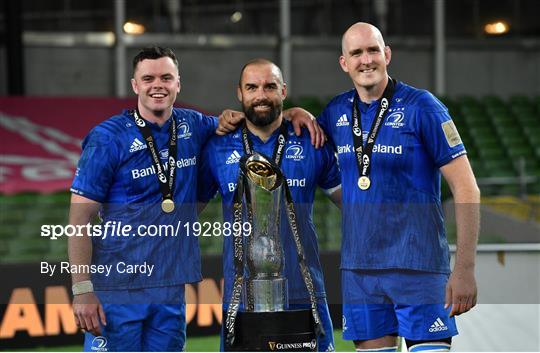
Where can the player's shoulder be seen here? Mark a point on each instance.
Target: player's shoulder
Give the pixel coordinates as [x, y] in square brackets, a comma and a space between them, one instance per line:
[188, 113]
[193, 122]
[421, 99]
[111, 129]
[344, 98]
[225, 148]
[304, 141]
[115, 123]
[303, 138]
[232, 138]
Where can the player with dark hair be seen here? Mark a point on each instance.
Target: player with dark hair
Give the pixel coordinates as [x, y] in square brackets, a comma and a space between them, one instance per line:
[119, 176]
[154, 53]
[262, 91]
[393, 143]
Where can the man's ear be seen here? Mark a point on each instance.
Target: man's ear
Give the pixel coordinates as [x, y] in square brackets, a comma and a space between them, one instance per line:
[134, 86]
[239, 93]
[284, 91]
[387, 55]
[343, 63]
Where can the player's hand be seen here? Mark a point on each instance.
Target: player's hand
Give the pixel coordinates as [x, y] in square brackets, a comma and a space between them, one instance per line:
[89, 313]
[302, 118]
[228, 121]
[461, 291]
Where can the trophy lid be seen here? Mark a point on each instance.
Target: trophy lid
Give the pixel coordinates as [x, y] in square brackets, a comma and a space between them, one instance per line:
[261, 171]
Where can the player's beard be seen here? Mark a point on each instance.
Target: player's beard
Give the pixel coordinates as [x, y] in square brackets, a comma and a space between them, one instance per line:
[262, 119]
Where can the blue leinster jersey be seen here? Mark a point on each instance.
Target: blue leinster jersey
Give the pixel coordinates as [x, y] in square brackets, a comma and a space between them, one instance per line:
[116, 170]
[398, 221]
[304, 167]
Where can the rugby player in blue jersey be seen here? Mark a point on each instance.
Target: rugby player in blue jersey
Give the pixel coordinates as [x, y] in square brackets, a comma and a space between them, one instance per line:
[138, 169]
[261, 91]
[393, 143]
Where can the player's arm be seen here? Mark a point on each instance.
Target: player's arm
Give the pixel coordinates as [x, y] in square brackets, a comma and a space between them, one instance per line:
[86, 306]
[230, 119]
[461, 291]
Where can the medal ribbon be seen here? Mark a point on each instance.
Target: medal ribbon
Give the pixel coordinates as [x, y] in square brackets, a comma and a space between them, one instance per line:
[234, 304]
[304, 269]
[166, 182]
[277, 155]
[363, 154]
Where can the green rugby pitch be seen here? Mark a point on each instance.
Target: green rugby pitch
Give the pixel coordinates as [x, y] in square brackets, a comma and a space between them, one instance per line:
[194, 344]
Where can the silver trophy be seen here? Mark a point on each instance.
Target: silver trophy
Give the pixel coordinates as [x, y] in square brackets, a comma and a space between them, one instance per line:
[265, 289]
[261, 195]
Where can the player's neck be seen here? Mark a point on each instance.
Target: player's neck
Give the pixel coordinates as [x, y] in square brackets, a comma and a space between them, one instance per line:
[372, 93]
[159, 117]
[264, 132]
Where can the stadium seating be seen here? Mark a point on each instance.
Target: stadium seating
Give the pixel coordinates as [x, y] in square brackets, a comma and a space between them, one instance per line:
[21, 218]
[502, 136]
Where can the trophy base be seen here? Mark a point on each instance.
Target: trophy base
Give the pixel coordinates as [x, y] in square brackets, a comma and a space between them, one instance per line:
[290, 330]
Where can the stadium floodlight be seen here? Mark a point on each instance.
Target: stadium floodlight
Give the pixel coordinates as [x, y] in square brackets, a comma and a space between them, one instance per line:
[496, 28]
[236, 17]
[133, 28]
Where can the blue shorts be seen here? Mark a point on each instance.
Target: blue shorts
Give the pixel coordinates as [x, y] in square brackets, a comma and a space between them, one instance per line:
[326, 343]
[156, 321]
[410, 304]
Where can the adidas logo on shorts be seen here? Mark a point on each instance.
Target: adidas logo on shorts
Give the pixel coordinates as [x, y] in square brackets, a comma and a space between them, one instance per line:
[342, 121]
[233, 158]
[437, 326]
[137, 145]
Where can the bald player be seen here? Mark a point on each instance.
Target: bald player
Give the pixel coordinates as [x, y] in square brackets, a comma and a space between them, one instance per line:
[393, 142]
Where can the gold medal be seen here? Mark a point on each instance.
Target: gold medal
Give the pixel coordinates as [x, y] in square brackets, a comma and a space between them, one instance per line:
[167, 205]
[364, 183]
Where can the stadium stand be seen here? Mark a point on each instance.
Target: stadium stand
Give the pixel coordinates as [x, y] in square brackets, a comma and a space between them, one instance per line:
[22, 216]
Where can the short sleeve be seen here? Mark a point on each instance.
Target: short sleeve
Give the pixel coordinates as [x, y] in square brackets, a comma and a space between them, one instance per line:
[437, 131]
[207, 126]
[330, 175]
[97, 166]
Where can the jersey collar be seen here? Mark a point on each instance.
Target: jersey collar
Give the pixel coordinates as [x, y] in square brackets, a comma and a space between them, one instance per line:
[256, 139]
